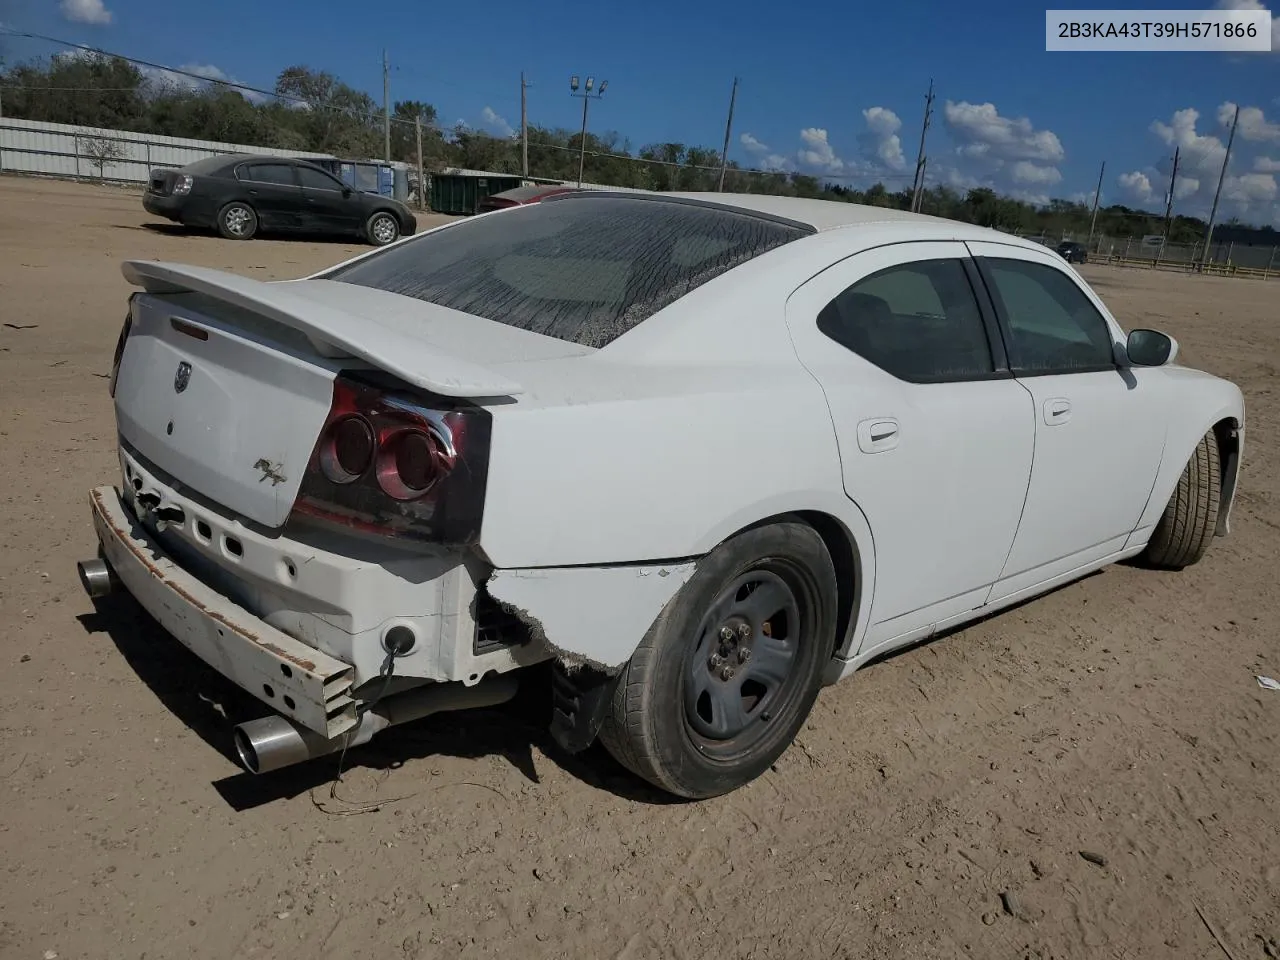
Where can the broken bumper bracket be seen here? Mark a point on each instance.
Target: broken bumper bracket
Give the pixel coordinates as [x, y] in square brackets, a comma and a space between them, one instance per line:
[579, 701]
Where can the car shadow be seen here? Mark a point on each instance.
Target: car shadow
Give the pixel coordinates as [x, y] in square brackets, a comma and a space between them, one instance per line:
[210, 705]
[181, 230]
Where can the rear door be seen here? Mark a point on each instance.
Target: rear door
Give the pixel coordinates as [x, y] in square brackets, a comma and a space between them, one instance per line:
[935, 436]
[274, 194]
[1100, 428]
[331, 206]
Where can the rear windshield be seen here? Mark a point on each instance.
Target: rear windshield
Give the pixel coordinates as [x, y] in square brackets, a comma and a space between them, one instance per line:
[582, 269]
[208, 164]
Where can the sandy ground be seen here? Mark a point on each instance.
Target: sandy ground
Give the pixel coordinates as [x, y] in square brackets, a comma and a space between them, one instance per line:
[1118, 715]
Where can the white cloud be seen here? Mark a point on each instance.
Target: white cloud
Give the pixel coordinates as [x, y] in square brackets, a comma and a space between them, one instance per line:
[85, 11]
[1250, 188]
[1254, 5]
[1028, 173]
[817, 152]
[982, 132]
[1186, 187]
[881, 142]
[1253, 123]
[204, 75]
[495, 123]
[763, 154]
[1136, 186]
[1199, 153]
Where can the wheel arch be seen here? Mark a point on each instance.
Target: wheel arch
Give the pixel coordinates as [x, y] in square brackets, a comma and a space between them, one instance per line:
[853, 566]
[1224, 420]
[1227, 434]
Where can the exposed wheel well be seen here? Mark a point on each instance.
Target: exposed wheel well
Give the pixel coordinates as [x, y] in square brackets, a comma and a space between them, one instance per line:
[844, 557]
[1228, 439]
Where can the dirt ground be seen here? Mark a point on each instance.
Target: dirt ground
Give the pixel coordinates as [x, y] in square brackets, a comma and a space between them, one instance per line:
[1119, 716]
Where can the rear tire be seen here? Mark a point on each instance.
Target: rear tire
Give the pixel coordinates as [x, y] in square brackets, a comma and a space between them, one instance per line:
[238, 221]
[382, 229]
[690, 713]
[1187, 526]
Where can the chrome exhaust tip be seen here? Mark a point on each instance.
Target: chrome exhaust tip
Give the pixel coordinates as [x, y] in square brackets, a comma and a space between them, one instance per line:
[96, 577]
[270, 743]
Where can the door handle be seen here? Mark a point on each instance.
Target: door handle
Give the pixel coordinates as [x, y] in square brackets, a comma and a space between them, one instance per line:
[877, 436]
[1057, 410]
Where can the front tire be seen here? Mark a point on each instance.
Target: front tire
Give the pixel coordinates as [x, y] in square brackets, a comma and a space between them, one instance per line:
[237, 221]
[695, 715]
[1187, 525]
[382, 229]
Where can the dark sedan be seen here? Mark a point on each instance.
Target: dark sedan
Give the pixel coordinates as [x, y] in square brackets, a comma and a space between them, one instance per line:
[1073, 252]
[243, 196]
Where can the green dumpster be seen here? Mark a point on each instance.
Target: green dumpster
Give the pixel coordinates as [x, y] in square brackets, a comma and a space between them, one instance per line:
[460, 193]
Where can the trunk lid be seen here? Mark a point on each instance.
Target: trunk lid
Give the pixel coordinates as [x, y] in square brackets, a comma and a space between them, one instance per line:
[160, 182]
[225, 382]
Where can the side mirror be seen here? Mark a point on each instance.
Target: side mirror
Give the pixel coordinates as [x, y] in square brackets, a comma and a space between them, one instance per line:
[1150, 348]
[346, 192]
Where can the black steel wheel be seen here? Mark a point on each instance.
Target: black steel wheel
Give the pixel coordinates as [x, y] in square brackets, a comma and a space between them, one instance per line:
[728, 673]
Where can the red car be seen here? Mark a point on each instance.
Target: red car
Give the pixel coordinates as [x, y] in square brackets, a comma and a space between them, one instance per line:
[521, 195]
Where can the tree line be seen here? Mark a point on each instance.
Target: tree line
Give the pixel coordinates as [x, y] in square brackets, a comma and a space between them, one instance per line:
[312, 110]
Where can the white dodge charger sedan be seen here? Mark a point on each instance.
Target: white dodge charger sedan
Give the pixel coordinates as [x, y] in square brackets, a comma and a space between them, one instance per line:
[703, 452]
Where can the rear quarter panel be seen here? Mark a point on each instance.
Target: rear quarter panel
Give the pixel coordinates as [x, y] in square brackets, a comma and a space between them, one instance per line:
[669, 465]
[696, 423]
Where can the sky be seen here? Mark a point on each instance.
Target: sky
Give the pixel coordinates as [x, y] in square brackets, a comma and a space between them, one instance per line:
[826, 88]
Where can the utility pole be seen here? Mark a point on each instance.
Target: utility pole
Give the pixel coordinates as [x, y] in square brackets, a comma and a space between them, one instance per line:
[1213, 212]
[1168, 206]
[917, 186]
[1093, 221]
[728, 132]
[386, 105]
[524, 127]
[587, 96]
[422, 180]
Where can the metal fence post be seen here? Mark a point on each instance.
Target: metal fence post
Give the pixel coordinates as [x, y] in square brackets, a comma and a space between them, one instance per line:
[1270, 260]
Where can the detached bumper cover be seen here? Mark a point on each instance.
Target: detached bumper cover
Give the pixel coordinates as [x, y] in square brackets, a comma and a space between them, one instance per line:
[292, 678]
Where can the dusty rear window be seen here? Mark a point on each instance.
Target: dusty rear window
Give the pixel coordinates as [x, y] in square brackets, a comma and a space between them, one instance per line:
[583, 269]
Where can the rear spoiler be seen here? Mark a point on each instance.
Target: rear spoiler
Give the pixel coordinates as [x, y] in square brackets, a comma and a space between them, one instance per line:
[332, 331]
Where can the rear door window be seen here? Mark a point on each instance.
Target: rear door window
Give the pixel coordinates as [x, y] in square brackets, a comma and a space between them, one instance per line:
[918, 321]
[582, 269]
[280, 174]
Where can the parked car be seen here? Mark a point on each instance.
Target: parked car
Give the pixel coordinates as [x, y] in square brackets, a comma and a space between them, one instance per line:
[702, 452]
[522, 195]
[1073, 252]
[243, 196]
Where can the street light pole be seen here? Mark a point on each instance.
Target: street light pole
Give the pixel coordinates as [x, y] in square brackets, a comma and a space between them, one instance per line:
[587, 96]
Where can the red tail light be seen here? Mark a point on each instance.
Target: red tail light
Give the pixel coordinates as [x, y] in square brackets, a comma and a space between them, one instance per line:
[396, 464]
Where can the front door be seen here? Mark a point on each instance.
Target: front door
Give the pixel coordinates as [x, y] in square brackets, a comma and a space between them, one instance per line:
[1100, 432]
[935, 438]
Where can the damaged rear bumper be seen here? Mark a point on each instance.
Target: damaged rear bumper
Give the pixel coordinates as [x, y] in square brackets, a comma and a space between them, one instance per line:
[590, 616]
[296, 680]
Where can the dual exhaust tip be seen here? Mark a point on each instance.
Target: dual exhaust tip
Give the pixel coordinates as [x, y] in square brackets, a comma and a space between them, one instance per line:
[97, 578]
[272, 742]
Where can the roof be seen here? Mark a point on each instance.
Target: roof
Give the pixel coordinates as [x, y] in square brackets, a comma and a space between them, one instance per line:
[819, 214]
